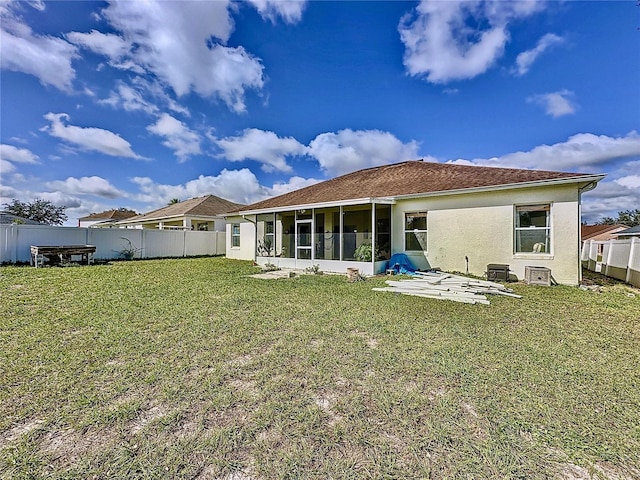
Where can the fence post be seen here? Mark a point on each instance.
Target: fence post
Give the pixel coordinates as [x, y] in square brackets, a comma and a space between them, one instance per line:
[184, 243]
[632, 254]
[606, 270]
[16, 237]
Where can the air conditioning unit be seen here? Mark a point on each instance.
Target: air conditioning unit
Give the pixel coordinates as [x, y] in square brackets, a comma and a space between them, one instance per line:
[497, 272]
[537, 276]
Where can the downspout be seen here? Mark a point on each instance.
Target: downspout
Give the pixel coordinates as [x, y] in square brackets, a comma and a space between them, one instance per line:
[587, 188]
[255, 240]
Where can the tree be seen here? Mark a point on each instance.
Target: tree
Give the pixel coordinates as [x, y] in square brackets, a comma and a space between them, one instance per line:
[631, 218]
[39, 210]
[173, 201]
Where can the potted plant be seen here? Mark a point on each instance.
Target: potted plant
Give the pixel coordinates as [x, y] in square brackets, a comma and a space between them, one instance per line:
[363, 252]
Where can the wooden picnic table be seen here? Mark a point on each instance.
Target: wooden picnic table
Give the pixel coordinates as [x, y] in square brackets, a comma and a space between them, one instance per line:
[61, 252]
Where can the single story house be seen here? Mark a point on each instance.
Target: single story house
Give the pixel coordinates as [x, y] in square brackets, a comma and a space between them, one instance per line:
[629, 233]
[601, 233]
[448, 216]
[200, 213]
[106, 219]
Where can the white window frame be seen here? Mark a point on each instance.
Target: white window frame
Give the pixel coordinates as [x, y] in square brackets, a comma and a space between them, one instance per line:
[235, 237]
[270, 234]
[416, 230]
[539, 248]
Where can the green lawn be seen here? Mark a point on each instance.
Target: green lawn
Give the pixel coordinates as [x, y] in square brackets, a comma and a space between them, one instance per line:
[189, 369]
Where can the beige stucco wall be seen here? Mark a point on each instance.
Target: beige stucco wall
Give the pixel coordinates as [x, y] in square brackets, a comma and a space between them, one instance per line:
[481, 227]
[247, 248]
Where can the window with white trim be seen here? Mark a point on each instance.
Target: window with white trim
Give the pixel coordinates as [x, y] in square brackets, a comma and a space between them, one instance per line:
[235, 234]
[415, 231]
[533, 228]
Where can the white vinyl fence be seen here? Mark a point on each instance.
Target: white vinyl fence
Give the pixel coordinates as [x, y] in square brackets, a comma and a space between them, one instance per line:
[614, 258]
[16, 241]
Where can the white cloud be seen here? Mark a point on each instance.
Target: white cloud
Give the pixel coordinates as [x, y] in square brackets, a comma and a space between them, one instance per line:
[441, 45]
[294, 183]
[45, 57]
[262, 146]
[107, 44]
[60, 199]
[556, 104]
[349, 150]
[94, 185]
[240, 186]
[609, 198]
[178, 137]
[6, 167]
[17, 155]
[584, 151]
[289, 10]
[89, 138]
[526, 59]
[630, 181]
[129, 99]
[182, 44]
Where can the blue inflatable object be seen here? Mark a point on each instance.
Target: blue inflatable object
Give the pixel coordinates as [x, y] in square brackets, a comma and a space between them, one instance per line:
[401, 264]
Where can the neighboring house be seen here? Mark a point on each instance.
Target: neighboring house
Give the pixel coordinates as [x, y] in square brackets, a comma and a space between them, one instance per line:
[201, 213]
[106, 219]
[600, 233]
[629, 233]
[7, 218]
[440, 215]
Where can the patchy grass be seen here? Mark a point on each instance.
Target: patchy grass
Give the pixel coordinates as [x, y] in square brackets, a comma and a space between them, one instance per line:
[189, 369]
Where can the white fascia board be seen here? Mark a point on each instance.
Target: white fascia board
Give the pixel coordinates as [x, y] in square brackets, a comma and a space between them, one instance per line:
[308, 206]
[583, 179]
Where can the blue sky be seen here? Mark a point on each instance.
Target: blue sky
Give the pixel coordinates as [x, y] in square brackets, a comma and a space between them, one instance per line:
[130, 104]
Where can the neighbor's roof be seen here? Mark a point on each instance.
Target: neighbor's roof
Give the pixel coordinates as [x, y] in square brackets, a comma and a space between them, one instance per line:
[630, 231]
[110, 215]
[207, 206]
[7, 218]
[412, 178]
[590, 231]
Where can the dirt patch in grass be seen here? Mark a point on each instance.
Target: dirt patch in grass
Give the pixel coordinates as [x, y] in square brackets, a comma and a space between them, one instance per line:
[246, 386]
[326, 403]
[571, 471]
[146, 417]
[18, 431]
[590, 278]
[234, 416]
[369, 341]
[65, 447]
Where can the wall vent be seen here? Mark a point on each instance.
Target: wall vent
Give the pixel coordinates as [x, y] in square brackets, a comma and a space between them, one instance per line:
[537, 276]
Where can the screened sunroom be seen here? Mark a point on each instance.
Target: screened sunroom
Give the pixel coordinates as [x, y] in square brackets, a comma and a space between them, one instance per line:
[333, 238]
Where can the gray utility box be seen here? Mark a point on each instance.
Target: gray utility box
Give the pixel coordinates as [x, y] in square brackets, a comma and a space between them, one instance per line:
[537, 276]
[497, 272]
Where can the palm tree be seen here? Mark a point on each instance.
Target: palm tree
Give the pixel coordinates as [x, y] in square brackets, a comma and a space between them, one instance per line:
[172, 201]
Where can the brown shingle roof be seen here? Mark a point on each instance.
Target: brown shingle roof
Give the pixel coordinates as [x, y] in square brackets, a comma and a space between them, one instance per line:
[406, 178]
[207, 206]
[110, 215]
[590, 231]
